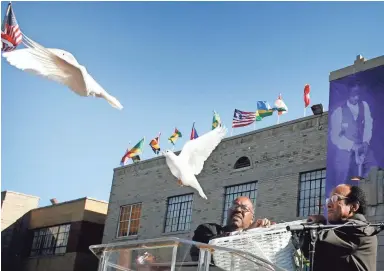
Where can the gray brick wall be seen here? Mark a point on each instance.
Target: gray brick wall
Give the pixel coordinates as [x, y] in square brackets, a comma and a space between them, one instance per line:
[278, 154]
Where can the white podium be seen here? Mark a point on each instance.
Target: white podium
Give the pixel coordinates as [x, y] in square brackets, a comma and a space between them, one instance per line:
[173, 254]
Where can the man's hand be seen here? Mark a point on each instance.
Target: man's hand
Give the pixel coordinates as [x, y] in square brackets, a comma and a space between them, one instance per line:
[261, 223]
[356, 147]
[317, 219]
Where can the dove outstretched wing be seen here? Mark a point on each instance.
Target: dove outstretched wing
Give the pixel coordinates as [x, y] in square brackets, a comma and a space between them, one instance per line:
[196, 152]
[46, 63]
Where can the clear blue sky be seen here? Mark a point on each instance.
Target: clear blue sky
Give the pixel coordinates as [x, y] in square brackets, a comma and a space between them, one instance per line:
[169, 64]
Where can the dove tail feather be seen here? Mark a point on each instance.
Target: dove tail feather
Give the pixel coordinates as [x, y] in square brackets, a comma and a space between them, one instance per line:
[111, 100]
[202, 194]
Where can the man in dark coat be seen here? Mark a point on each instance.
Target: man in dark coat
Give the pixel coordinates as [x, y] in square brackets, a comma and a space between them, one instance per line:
[344, 248]
[240, 217]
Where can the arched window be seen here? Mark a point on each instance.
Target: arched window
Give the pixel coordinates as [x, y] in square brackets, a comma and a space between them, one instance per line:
[242, 162]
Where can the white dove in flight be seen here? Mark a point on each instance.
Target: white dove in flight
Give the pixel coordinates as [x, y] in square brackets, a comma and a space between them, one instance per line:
[191, 160]
[59, 66]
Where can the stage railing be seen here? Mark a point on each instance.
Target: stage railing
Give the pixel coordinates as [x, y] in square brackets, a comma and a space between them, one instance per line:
[173, 254]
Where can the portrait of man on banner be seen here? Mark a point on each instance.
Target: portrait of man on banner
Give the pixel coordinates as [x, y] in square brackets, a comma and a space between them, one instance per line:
[356, 126]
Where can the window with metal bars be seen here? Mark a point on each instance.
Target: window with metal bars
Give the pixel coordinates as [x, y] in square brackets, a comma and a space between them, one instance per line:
[129, 220]
[311, 197]
[242, 162]
[51, 240]
[232, 192]
[179, 213]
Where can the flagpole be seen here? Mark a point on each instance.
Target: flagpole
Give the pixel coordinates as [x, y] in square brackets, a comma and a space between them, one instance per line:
[129, 148]
[278, 118]
[158, 143]
[305, 111]
[232, 131]
[143, 149]
[254, 126]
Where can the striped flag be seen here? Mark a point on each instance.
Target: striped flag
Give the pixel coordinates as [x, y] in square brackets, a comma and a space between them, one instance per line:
[155, 144]
[280, 106]
[216, 121]
[136, 150]
[264, 109]
[10, 31]
[307, 99]
[194, 134]
[242, 118]
[175, 136]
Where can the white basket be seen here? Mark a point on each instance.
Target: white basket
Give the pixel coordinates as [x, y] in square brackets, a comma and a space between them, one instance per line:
[271, 244]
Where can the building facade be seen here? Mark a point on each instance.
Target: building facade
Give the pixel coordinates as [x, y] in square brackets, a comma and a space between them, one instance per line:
[281, 168]
[57, 237]
[15, 208]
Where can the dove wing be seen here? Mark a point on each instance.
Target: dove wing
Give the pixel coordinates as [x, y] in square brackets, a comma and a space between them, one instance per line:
[175, 172]
[43, 62]
[196, 152]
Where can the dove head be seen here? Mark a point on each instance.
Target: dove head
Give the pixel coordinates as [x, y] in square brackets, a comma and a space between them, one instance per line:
[169, 154]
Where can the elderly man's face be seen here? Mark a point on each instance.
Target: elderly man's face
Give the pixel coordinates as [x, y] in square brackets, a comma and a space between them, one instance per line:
[240, 214]
[354, 95]
[338, 210]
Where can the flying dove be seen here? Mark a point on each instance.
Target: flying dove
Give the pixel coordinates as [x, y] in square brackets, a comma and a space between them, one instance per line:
[191, 160]
[59, 66]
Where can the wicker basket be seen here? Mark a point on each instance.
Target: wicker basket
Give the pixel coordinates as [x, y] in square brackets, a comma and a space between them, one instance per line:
[271, 244]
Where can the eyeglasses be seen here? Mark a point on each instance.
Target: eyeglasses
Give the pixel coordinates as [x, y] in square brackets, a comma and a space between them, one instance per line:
[335, 198]
[244, 208]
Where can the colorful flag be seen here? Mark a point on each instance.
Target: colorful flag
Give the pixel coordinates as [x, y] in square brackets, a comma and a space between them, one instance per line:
[258, 118]
[194, 134]
[264, 109]
[10, 32]
[280, 106]
[216, 120]
[136, 158]
[175, 136]
[155, 144]
[136, 150]
[241, 118]
[307, 99]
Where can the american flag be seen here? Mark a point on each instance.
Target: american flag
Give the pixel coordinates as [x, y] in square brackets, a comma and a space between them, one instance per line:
[10, 31]
[241, 118]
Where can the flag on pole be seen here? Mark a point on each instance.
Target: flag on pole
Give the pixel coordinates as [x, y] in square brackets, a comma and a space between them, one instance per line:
[216, 120]
[307, 99]
[155, 144]
[136, 150]
[10, 32]
[175, 136]
[280, 106]
[258, 118]
[242, 118]
[194, 134]
[264, 109]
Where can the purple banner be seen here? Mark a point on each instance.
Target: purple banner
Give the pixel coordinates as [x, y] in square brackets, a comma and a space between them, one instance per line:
[355, 127]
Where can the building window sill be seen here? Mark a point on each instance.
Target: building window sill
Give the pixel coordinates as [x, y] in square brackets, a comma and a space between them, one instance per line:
[131, 237]
[46, 256]
[242, 169]
[175, 232]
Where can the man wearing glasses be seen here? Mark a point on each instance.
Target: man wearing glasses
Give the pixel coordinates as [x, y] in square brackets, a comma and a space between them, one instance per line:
[240, 217]
[344, 248]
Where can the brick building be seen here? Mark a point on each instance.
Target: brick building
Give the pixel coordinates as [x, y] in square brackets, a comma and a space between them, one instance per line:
[281, 168]
[55, 237]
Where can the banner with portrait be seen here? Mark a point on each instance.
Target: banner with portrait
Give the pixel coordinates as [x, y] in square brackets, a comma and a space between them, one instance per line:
[355, 127]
